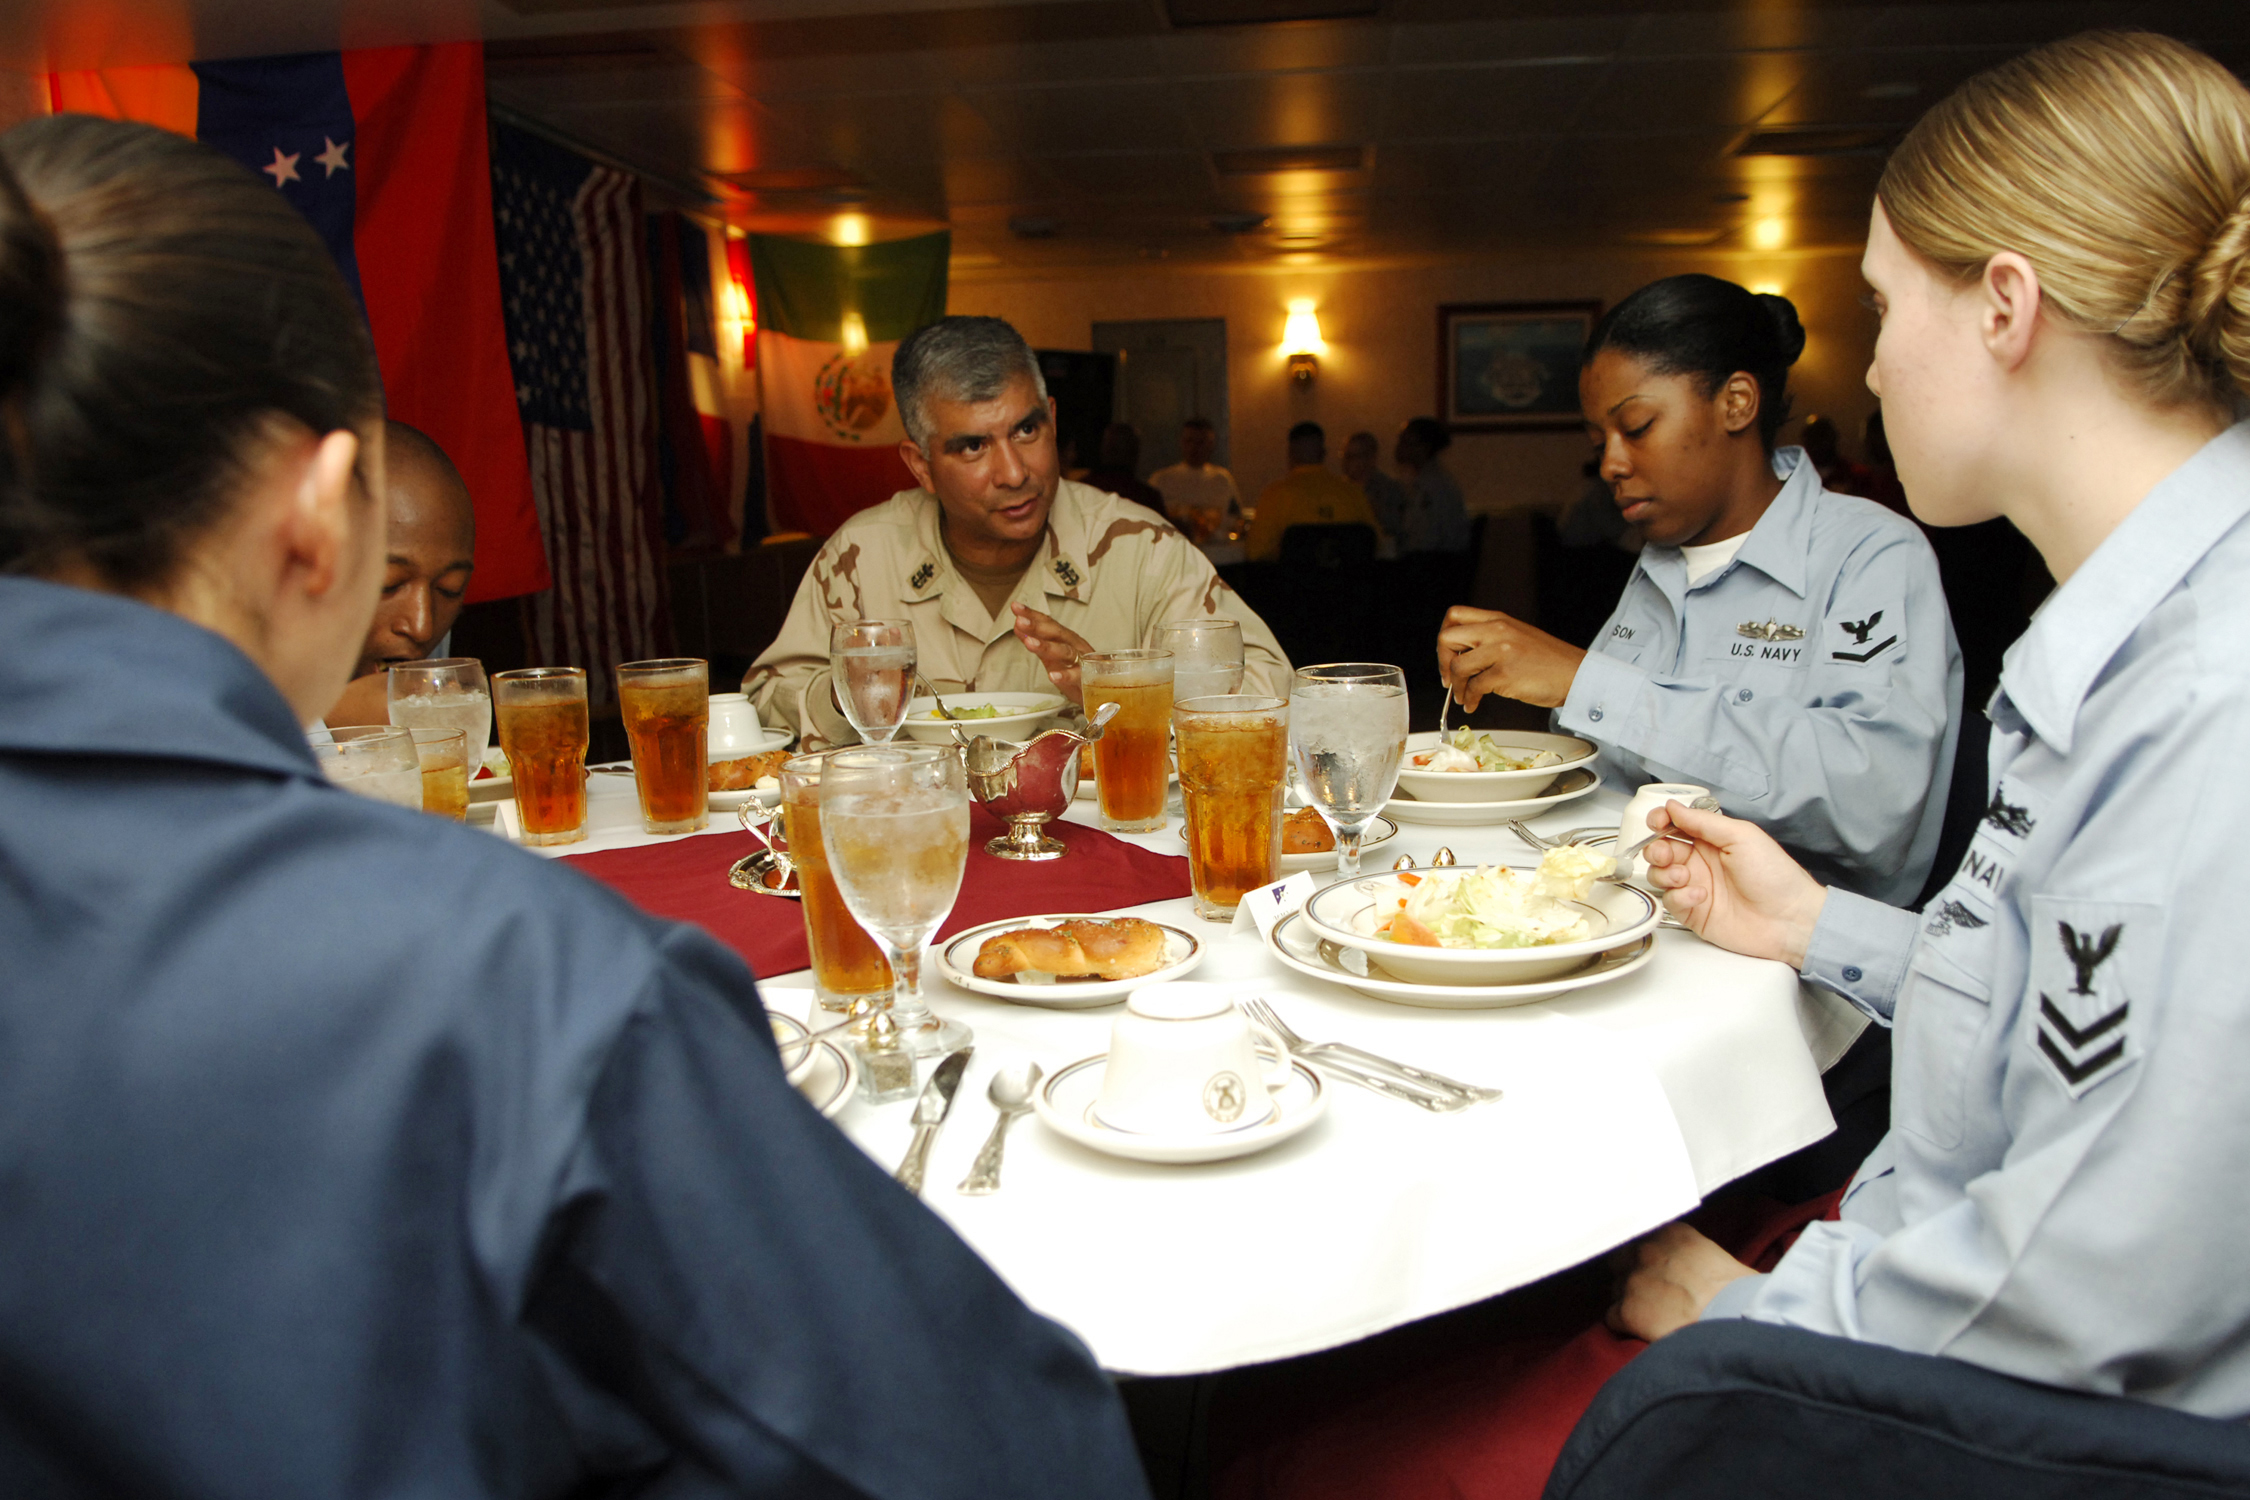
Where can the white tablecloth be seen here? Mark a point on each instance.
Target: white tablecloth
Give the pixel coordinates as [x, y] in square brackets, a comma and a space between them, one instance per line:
[1625, 1103]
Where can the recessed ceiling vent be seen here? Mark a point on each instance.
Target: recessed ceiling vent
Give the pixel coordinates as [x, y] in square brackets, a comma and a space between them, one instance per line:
[1237, 223]
[1818, 140]
[1268, 159]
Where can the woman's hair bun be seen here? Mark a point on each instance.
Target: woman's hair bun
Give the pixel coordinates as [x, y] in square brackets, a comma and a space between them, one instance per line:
[1788, 331]
[2215, 316]
[31, 286]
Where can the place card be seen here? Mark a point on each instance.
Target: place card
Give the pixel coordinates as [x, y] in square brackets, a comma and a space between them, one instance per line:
[1268, 904]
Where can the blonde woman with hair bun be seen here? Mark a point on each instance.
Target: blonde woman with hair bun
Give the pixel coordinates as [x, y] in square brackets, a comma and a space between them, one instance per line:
[2060, 253]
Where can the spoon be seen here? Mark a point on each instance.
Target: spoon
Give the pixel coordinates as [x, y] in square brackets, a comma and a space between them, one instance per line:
[1010, 1093]
[1700, 804]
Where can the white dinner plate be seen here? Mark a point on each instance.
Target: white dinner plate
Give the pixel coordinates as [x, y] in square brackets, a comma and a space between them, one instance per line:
[1379, 833]
[957, 958]
[1066, 1106]
[828, 1083]
[788, 1030]
[1568, 787]
[1294, 942]
[747, 797]
[1348, 912]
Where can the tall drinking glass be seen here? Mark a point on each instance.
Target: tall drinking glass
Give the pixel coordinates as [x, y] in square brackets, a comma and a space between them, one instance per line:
[541, 715]
[846, 964]
[666, 705]
[1347, 725]
[444, 754]
[871, 673]
[894, 822]
[445, 692]
[1134, 760]
[1206, 656]
[375, 761]
[1234, 768]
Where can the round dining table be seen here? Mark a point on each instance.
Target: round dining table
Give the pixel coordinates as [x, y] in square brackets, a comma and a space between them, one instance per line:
[1621, 1106]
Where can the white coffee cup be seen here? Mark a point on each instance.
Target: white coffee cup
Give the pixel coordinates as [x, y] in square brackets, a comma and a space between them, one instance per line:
[1632, 827]
[1183, 1060]
[735, 731]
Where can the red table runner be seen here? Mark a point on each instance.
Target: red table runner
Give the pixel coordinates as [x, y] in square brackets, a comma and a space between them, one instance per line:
[687, 882]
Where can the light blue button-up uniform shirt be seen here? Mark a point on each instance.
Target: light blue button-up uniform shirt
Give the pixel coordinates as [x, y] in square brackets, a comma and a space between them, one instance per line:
[1812, 684]
[2060, 1197]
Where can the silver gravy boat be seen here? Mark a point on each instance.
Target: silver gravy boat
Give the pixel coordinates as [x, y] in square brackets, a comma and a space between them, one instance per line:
[1028, 784]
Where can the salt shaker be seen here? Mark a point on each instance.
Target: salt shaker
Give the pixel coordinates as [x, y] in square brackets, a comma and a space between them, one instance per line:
[886, 1066]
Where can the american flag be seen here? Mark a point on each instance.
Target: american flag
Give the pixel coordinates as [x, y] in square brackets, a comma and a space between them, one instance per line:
[574, 277]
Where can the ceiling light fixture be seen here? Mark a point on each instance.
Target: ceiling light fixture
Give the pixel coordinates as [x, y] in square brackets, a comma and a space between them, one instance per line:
[1769, 234]
[853, 229]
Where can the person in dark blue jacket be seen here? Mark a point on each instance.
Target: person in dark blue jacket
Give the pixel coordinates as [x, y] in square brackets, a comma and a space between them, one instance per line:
[346, 1151]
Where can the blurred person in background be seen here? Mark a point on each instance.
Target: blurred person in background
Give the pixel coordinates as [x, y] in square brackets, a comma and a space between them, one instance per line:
[1310, 494]
[1119, 469]
[1199, 495]
[1436, 518]
[1386, 497]
[431, 528]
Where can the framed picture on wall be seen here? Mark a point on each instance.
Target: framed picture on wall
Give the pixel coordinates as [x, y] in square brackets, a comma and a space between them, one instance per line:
[1511, 366]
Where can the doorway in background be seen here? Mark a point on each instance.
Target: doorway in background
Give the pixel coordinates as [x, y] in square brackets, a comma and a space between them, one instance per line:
[1169, 369]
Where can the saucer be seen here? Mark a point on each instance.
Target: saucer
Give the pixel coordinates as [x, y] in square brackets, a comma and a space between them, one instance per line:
[789, 1038]
[828, 1083]
[1379, 833]
[1066, 1106]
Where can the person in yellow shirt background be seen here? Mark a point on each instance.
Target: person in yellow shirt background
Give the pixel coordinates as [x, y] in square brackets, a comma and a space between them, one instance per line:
[1310, 494]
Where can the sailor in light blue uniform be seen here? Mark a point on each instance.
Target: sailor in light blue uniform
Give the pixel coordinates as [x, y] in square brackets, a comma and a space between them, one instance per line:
[2071, 1021]
[1811, 682]
[1785, 647]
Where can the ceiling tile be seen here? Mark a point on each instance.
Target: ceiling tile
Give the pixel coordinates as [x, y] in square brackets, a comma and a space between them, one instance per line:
[1201, 52]
[1960, 24]
[1083, 117]
[1289, 109]
[1465, 172]
[1689, 93]
[1469, 103]
[1152, 175]
[1523, 39]
[1747, 29]
[1890, 84]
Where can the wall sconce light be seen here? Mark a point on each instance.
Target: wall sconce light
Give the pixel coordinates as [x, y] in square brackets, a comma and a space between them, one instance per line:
[742, 302]
[855, 334]
[1301, 342]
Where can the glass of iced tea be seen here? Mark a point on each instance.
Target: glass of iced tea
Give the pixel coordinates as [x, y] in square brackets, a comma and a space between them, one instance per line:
[846, 963]
[1234, 768]
[1135, 763]
[444, 754]
[541, 715]
[667, 710]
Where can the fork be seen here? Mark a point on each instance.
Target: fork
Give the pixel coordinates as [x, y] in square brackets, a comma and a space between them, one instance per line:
[1468, 1093]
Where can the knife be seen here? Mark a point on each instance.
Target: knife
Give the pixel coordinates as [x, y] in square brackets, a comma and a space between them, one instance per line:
[929, 1113]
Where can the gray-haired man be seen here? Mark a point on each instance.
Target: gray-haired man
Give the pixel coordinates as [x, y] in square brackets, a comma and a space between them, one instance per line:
[1008, 571]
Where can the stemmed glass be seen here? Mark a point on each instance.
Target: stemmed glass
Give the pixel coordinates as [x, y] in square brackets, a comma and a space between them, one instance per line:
[1347, 729]
[894, 822]
[871, 674]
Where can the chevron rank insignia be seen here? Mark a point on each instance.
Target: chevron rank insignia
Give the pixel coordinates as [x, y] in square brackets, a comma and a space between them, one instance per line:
[2086, 963]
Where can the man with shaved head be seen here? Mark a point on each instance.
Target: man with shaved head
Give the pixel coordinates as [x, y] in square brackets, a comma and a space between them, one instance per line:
[430, 555]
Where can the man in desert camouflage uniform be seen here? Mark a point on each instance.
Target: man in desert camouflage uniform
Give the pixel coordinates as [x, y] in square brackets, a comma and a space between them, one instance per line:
[1008, 572]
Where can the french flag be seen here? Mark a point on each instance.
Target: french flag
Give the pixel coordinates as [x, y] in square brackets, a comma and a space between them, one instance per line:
[385, 151]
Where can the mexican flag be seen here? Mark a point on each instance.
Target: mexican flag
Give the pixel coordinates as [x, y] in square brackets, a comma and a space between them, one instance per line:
[830, 318]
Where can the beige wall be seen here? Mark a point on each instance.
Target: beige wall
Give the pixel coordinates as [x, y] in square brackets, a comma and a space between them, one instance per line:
[1381, 330]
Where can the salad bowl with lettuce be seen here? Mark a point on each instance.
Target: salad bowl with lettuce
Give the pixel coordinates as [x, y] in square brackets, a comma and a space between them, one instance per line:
[1472, 765]
[1495, 924]
[1003, 716]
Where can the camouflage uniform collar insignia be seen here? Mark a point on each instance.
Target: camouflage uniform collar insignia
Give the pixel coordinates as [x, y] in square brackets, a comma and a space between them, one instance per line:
[923, 577]
[1771, 630]
[1065, 572]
